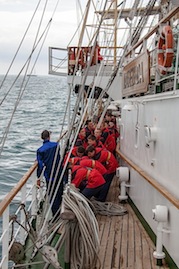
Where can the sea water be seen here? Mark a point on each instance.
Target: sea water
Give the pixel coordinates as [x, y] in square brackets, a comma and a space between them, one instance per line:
[42, 106]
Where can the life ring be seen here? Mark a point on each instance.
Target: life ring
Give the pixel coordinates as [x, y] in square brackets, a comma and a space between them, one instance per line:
[165, 49]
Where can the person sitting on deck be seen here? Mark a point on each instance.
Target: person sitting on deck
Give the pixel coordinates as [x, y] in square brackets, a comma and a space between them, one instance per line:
[76, 152]
[108, 160]
[89, 129]
[86, 162]
[47, 154]
[109, 139]
[92, 141]
[98, 135]
[113, 129]
[89, 181]
[81, 138]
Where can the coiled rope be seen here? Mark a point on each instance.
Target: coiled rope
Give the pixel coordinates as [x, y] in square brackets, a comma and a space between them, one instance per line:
[84, 232]
[108, 208]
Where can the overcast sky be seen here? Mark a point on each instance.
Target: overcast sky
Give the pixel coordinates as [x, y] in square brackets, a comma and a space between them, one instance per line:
[14, 19]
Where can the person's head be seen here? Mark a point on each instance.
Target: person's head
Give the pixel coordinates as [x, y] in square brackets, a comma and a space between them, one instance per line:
[90, 151]
[106, 124]
[82, 132]
[91, 140]
[45, 135]
[90, 124]
[97, 132]
[80, 151]
[108, 116]
[111, 124]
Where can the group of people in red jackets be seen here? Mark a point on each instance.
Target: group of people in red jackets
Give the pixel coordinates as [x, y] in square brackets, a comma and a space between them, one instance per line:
[92, 160]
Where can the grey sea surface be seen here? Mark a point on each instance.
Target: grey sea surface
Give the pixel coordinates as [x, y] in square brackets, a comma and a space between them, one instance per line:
[42, 106]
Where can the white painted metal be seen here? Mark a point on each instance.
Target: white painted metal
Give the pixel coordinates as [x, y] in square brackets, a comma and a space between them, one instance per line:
[5, 239]
[158, 158]
[25, 194]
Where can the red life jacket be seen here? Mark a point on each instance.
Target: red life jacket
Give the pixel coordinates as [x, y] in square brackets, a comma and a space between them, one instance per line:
[93, 177]
[110, 142]
[107, 159]
[93, 164]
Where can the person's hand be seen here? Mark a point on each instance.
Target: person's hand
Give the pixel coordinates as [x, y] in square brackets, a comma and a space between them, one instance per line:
[38, 182]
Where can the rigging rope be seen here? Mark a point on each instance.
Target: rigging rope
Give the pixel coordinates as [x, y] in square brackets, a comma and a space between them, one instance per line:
[23, 87]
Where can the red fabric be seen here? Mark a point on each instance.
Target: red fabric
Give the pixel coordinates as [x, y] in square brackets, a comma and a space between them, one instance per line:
[110, 143]
[107, 159]
[75, 160]
[94, 178]
[105, 134]
[114, 131]
[98, 144]
[81, 141]
[73, 154]
[93, 164]
[100, 58]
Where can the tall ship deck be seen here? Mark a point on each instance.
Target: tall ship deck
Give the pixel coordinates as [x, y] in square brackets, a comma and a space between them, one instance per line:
[124, 60]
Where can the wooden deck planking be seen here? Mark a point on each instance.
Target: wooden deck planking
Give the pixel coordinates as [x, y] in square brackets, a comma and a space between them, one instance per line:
[117, 243]
[124, 242]
[138, 246]
[131, 247]
[104, 241]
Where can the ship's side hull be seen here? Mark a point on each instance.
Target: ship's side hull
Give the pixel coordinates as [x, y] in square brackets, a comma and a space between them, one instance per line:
[149, 139]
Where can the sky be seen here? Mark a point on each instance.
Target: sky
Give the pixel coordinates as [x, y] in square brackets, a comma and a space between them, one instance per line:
[14, 19]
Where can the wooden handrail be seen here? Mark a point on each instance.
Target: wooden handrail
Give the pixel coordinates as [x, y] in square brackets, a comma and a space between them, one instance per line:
[151, 180]
[9, 197]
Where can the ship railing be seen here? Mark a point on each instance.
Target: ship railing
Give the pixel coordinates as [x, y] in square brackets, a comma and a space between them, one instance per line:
[22, 200]
[58, 61]
[19, 208]
[74, 60]
[144, 54]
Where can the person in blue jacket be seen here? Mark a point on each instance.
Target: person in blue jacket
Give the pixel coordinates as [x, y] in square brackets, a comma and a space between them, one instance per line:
[48, 158]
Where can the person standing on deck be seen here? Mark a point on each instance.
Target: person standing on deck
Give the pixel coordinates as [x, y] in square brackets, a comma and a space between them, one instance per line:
[99, 56]
[47, 154]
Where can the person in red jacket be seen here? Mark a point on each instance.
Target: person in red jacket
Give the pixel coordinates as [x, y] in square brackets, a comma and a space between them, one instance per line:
[76, 152]
[98, 135]
[113, 129]
[109, 140]
[89, 129]
[89, 181]
[109, 161]
[86, 162]
[92, 141]
[81, 138]
[104, 156]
